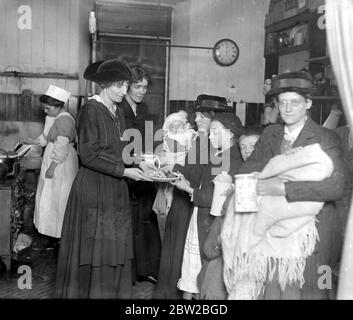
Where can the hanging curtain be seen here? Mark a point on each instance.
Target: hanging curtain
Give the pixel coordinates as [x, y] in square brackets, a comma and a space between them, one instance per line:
[339, 25]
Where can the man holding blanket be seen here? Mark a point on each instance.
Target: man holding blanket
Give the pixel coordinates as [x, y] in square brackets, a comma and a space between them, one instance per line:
[281, 251]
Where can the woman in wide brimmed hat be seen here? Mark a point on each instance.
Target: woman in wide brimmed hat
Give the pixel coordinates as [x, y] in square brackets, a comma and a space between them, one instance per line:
[96, 248]
[177, 222]
[292, 92]
[59, 166]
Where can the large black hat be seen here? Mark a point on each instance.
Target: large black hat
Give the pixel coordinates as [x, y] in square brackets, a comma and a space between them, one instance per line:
[230, 121]
[300, 82]
[206, 103]
[108, 71]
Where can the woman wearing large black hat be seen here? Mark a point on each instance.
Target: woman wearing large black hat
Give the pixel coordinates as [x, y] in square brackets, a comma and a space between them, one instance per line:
[96, 247]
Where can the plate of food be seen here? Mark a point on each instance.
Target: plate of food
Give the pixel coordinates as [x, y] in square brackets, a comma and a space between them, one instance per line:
[160, 176]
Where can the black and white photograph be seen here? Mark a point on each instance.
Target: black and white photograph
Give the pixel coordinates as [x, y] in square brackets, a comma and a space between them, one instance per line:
[182, 153]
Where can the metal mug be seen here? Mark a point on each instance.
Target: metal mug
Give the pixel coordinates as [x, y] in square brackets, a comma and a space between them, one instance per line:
[151, 159]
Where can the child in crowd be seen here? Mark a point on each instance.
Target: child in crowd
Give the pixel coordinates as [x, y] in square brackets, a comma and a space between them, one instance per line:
[247, 142]
[210, 279]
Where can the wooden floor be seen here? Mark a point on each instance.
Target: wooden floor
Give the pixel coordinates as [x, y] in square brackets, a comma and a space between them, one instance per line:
[42, 264]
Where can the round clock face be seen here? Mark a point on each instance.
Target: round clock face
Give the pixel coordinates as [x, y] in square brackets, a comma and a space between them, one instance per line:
[225, 52]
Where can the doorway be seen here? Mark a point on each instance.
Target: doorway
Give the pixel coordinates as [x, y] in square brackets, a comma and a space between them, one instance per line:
[152, 56]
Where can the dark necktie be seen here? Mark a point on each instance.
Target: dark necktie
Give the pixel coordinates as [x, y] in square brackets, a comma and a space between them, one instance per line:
[286, 143]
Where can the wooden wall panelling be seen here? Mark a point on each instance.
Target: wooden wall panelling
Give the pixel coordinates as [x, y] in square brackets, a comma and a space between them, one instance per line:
[11, 107]
[24, 106]
[2, 106]
[37, 113]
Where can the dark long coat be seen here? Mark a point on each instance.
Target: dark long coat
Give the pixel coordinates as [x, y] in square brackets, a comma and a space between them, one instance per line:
[328, 249]
[96, 244]
[197, 173]
[147, 243]
[177, 224]
[202, 197]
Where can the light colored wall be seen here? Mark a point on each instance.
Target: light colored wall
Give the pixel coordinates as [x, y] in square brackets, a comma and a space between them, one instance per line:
[59, 42]
[52, 45]
[203, 23]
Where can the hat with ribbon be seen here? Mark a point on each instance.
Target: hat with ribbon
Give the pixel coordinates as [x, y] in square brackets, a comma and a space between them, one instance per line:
[108, 71]
[230, 121]
[300, 82]
[57, 93]
[205, 103]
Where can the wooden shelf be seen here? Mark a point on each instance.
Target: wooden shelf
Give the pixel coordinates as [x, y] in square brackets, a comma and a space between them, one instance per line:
[284, 51]
[47, 75]
[323, 59]
[302, 17]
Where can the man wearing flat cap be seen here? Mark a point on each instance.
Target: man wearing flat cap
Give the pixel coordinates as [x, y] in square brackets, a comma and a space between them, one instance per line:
[292, 92]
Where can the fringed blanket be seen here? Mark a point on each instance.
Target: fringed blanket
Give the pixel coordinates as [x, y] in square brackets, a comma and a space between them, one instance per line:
[281, 235]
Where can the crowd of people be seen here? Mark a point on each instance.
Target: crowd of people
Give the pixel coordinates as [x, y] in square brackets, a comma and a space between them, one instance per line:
[117, 225]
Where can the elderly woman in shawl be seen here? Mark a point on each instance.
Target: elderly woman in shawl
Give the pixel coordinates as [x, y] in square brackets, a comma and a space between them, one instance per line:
[177, 140]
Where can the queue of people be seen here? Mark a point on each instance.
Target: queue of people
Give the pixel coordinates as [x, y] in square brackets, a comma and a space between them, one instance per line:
[117, 225]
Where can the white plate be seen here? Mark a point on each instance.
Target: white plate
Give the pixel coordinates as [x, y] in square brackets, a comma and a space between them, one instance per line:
[162, 179]
[157, 179]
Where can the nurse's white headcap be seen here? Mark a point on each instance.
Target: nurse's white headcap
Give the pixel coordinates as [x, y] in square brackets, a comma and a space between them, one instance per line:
[57, 93]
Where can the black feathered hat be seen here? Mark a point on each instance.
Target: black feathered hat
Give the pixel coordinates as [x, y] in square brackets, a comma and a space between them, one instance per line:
[300, 82]
[108, 71]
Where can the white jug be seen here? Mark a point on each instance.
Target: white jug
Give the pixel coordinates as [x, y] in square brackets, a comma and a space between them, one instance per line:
[222, 183]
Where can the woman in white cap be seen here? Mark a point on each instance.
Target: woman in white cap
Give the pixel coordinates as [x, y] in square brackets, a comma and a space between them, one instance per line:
[96, 250]
[59, 165]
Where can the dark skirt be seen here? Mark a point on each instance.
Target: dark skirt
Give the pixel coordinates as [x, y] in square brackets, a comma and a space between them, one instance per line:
[96, 245]
[147, 242]
[176, 228]
[321, 267]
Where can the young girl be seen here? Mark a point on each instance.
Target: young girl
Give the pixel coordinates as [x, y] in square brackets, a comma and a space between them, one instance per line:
[225, 129]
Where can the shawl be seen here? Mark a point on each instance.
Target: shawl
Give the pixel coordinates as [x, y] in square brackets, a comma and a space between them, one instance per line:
[280, 235]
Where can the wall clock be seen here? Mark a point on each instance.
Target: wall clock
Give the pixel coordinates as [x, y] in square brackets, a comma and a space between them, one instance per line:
[225, 52]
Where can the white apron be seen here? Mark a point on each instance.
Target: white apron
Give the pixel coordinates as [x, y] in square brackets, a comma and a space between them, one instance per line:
[52, 194]
[191, 265]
